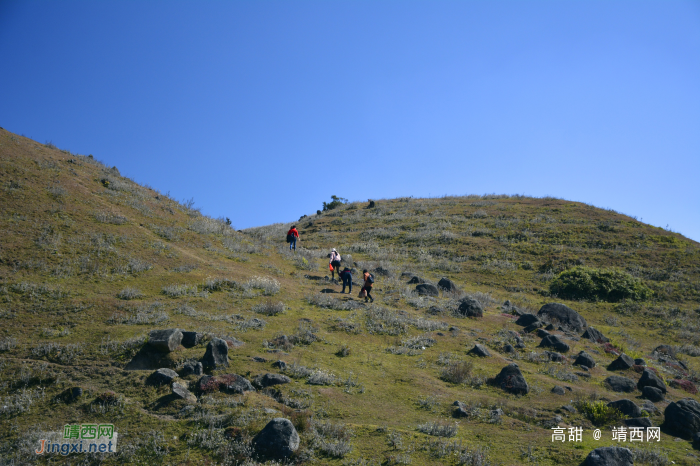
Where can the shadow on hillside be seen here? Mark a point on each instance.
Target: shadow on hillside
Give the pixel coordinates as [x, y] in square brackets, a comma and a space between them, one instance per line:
[147, 359]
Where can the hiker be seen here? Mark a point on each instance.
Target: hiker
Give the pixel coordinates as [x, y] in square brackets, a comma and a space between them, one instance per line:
[369, 281]
[335, 263]
[346, 275]
[292, 236]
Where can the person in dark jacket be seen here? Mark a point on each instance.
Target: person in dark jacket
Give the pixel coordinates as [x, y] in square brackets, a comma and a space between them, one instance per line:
[369, 280]
[346, 275]
[292, 236]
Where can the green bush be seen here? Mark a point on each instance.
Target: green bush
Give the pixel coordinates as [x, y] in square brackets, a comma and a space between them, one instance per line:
[598, 284]
[599, 413]
[337, 201]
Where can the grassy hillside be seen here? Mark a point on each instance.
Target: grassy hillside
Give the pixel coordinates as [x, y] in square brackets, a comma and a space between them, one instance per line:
[91, 262]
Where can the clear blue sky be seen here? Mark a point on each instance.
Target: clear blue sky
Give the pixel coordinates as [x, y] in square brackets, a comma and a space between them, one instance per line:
[260, 110]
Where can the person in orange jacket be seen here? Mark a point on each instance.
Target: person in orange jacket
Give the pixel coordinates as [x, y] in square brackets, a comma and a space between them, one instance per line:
[292, 236]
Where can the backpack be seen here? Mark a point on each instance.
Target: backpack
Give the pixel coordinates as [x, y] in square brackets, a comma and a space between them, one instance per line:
[289, 237]
[370, 278]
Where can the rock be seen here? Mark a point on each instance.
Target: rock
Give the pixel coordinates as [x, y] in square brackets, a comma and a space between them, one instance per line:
[268, 380]
[280, 364]
[216, 354]
[682, 418]
[508, 348]
[234, 383]
[445, 284]
[622, 363]
[506, 304]
[192, 368]
[638, 422]
[553, 341]
[564, 315]
[640, 362]
[480, 350]
[649, 407]
[569, 408]
[665, 349]
[609, 456]
[511, 380]
[278, 440]
[416, 280]
[470, 307]
[191, 339]
[626, 407]
[76, 392]
[555, 357]
[180, 391]
[549, 327]
[532, 327]
[652, 393]
[620, 384]
[426, 289]
[557, 390]
[650, 379]
[162, 376]
[585, 359]
[520, 345]
[407, 274]
[526, 319]
[542, 333]
[165, 341]
[696, 440]
[594, 335]
[259, 359]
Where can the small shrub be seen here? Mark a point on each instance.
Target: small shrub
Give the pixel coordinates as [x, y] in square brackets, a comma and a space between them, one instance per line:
[457, 372]
[599, 413]
[269, 308]
[685, 385]
[343, 351]
[598, 284]
[129, 293]
[439, 428]
[336, 202]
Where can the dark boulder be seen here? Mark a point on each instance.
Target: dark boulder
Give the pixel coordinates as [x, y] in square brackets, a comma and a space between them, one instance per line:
[460, 409]
[585, 359]
[550, 327]
[508, 348]
[527, 319]
[643, 422]
[557, 390]
[165, 341]
[532, 327]
[162, 376]
[426, 289]
[416, 280]
[555, 357]
[620, 384]
[511, 380]
[682, 418]
[234, 383]
[480, 350]
[470, 307]
[622, 363]
[594, 335]
[542, 333]
[609, 456]
[267, 380]
[564, 315]
[445, 284]
[191, 368]
[191, 339]
[278, 440]
[696, 440]
[640, 362]
[626, 407]
[650, 379]
[216, 354]
[553, 341]
[280, 364]
[652, 393]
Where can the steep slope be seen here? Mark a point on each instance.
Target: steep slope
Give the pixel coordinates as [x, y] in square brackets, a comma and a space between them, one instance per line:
[91, 263]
